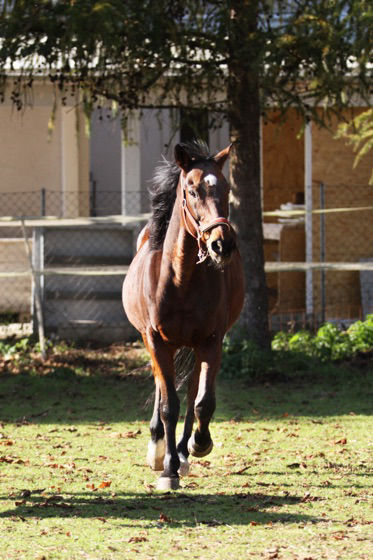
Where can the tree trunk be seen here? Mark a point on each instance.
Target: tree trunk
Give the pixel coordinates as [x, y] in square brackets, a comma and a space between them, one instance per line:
[244, 119]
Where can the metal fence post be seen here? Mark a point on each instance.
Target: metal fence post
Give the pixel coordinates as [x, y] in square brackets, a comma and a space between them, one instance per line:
[308, 218]
[322, 252]
[92, 196]
[37, 267]
[43, 202]
[36, 260]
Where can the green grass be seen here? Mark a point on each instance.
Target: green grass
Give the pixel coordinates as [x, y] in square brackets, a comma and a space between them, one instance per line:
[289, 476]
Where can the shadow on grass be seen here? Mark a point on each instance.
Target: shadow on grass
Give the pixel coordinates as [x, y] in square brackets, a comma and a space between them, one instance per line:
[65, 398]
[363, 473]
[173, 509]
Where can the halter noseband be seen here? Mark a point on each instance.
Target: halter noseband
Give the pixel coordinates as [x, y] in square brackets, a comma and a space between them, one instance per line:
[199, 231]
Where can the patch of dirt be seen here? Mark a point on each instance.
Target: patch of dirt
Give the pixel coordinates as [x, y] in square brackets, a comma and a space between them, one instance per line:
[118, 360]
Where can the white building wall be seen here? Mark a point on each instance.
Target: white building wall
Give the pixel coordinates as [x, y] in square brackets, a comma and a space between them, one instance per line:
[128, 168]
[105, 162]
[158, 134]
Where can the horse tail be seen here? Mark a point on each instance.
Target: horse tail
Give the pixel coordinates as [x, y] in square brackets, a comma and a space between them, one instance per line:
[184, 364]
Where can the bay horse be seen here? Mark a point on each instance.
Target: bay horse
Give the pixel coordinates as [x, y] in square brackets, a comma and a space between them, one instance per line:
[185, 288]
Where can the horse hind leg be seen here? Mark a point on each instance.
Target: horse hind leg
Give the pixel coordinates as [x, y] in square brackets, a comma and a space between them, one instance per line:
[182, 447]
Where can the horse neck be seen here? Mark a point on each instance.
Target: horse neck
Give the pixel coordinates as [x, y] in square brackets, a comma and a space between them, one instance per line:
[180, 249]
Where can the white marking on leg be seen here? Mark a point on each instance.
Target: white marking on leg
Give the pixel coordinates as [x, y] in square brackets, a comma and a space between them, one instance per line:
[184, 465]
[155, 455]
[211, 180]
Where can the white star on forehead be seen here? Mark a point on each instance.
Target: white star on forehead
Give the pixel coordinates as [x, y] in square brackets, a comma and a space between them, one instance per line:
[210, 179]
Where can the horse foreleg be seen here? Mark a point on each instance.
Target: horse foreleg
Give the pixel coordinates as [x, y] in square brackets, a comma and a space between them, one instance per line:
[200, 443]
[182, 447]
[156, 445]
[169, 406]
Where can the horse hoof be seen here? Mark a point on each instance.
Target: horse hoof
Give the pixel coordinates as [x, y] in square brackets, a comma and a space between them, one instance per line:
[155, 455]
[198, 451]
[166, 483]
[184, 465]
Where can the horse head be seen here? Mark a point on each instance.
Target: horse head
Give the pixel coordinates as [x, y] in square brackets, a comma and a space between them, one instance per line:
[205, 208]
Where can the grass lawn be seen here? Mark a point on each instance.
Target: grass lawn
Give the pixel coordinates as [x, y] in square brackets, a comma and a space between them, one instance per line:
[289, 476]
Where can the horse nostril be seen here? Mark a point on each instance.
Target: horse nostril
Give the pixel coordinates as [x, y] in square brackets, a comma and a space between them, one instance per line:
[217, 246]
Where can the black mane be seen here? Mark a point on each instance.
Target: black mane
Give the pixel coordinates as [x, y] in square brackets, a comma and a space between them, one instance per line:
[162, 191]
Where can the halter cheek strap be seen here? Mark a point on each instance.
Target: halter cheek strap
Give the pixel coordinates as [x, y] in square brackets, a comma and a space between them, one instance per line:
[199, 231]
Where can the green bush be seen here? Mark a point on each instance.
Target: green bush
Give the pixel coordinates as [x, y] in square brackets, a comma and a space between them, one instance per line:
[330, 342]
[361, 334]
[17, 350]
[294, 352]
[302, 342]
[281, 341]
[12, 348]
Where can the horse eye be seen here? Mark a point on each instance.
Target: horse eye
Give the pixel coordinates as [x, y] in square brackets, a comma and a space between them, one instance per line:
[192, 193]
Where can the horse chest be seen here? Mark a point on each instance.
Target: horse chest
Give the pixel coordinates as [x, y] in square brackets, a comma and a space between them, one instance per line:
[186, 316]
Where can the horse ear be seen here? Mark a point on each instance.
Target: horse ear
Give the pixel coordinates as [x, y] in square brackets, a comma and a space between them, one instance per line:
[182, 158]
[222, 156]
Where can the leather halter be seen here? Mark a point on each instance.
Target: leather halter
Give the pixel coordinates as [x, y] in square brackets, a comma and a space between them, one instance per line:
[199, 231]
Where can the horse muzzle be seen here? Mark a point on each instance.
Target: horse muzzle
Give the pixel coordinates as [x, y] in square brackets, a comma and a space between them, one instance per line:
[220, 245]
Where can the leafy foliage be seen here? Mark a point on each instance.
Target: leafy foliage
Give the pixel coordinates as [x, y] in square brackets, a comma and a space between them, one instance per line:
[330, 342]
[302, 52]
[25, 352]
[294, 354]
[361, 335]
[14, 349]
[359, 133]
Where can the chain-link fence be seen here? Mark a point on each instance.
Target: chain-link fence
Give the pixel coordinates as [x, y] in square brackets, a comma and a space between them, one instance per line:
[336, 245]
[71, 204]
[81, 257]
[79, 266]
[77, 269]
[345, 235]
[15, 280]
